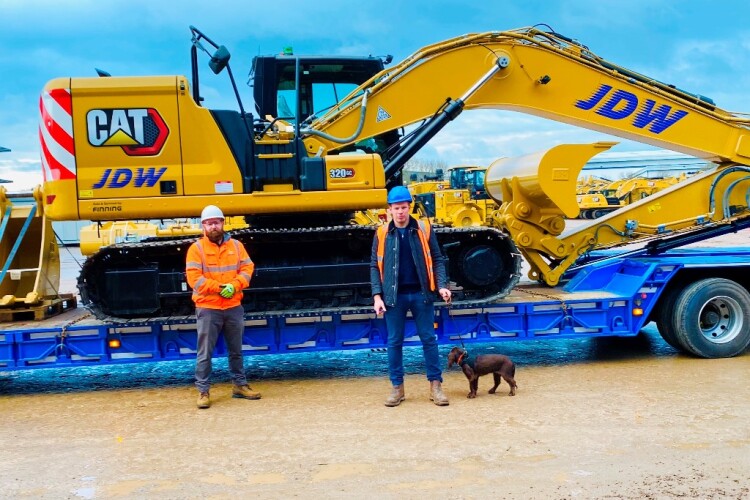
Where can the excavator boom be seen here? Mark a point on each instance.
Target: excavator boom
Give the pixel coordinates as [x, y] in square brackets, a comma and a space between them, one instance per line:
[537, 73]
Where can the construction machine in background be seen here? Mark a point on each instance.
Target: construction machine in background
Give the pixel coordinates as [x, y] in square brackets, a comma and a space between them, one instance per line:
[145, 147]
[591, 184]
[459, 201]
[622, 192]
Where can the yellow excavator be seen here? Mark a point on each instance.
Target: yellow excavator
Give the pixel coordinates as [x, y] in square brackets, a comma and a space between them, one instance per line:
[119, 148]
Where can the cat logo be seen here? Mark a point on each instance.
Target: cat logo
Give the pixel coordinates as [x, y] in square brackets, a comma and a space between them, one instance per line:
[138, 131]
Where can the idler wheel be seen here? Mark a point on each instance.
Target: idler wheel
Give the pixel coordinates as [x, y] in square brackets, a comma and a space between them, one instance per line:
[481, 265]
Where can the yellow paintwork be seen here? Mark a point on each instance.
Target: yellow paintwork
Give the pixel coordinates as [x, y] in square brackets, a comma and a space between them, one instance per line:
[423, 187]
[588, 202]
[536, 192]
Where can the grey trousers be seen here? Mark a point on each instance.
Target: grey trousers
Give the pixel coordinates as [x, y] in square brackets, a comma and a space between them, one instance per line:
[210, 323]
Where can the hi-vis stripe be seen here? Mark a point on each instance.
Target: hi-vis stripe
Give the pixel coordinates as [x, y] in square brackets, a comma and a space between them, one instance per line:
[56, 135]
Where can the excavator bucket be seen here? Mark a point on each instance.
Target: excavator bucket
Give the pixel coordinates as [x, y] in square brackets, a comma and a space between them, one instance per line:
[29, 255]
[546, 180]
[535, 192]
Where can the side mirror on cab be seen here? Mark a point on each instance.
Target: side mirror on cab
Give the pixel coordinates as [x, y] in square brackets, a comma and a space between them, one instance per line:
[219, 60]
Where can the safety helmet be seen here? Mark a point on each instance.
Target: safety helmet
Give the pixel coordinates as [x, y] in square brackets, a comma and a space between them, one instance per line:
[211, 212]
[399, 194]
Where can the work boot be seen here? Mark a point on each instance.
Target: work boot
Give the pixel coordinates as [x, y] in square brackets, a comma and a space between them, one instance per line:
[396, 396]
[245, 392]
[436, 393]
[204, 401]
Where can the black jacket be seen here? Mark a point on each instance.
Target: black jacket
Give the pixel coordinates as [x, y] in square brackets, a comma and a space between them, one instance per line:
[388, 287]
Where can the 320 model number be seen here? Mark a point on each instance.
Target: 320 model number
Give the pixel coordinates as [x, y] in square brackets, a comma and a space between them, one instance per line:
[341, 173]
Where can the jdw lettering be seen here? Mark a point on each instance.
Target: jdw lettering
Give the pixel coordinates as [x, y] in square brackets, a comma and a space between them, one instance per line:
[121, 177]
[619, 104]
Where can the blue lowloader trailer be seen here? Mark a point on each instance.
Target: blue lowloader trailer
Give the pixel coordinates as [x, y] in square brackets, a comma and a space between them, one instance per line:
[698, 298]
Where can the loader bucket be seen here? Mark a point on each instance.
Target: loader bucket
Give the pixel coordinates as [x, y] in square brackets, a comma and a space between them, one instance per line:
[29, 254]
[546, 179]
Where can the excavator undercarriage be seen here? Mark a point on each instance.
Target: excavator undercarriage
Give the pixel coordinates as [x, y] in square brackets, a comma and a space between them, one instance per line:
[297, 270]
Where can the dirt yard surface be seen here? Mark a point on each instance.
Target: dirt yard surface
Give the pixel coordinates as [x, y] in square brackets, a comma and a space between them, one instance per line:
[625, 418]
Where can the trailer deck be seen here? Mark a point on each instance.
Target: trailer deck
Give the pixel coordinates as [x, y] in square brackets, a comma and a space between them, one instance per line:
[608, 297]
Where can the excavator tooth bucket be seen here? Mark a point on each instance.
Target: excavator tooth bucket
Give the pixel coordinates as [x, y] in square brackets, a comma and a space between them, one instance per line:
[545, 180]
[29, 254]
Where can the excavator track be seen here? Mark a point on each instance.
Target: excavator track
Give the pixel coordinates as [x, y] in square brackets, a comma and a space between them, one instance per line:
[301, 270]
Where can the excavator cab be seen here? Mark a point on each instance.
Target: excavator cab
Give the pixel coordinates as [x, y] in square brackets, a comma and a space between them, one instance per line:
[299, 89]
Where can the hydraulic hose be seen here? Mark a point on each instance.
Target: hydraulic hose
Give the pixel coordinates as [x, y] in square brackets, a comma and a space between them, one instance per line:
[343, 140]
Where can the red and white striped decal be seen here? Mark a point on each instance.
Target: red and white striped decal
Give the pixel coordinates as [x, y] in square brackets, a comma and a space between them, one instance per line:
[56, 135]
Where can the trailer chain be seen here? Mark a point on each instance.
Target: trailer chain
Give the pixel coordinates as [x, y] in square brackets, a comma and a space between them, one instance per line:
[563, 305]
[64, 328]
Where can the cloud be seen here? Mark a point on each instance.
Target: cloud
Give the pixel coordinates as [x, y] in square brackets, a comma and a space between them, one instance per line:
[25, 173]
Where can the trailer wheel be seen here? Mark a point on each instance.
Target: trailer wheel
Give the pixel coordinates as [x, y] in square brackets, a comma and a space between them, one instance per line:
[665, 319]
[712, 318]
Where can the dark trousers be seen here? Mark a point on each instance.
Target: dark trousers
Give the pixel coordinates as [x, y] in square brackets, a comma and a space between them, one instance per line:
[395, 319]
[210, 323]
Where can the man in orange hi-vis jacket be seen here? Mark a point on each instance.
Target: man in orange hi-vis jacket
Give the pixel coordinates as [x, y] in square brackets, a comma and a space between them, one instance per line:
[218, 268]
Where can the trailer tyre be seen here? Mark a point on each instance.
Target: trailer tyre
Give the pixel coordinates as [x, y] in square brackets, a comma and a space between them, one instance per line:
[712, 318]
[665, 319]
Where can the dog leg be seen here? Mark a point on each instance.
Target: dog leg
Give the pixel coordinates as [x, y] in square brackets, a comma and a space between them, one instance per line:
[473, 385]
[497, 378]
[512, 382]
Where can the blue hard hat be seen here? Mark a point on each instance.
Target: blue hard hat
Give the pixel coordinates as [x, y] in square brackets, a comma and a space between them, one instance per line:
[399, 194]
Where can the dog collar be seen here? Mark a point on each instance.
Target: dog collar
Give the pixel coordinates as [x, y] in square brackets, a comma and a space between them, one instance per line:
[463, 358]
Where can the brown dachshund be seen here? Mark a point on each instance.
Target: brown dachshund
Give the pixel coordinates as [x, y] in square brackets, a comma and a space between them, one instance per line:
[500, 366]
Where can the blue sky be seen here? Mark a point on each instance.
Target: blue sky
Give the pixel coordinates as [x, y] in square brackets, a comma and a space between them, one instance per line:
[700, 46]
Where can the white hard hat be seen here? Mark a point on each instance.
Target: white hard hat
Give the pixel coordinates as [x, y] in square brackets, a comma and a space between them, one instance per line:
[211, 212]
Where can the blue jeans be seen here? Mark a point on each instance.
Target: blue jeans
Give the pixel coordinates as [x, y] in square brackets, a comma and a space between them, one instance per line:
[210, 323]
[395, 320]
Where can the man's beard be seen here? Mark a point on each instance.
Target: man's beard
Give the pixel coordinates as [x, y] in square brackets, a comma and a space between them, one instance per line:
[215, 235]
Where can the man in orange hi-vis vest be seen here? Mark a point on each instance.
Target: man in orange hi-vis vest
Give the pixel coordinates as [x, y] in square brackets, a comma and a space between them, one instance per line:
[407, 268]
[218, 268]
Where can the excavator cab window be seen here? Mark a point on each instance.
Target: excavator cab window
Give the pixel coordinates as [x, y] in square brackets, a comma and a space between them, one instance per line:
[316, 98]
[459, 177]
[476, 185]
[323, 82]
